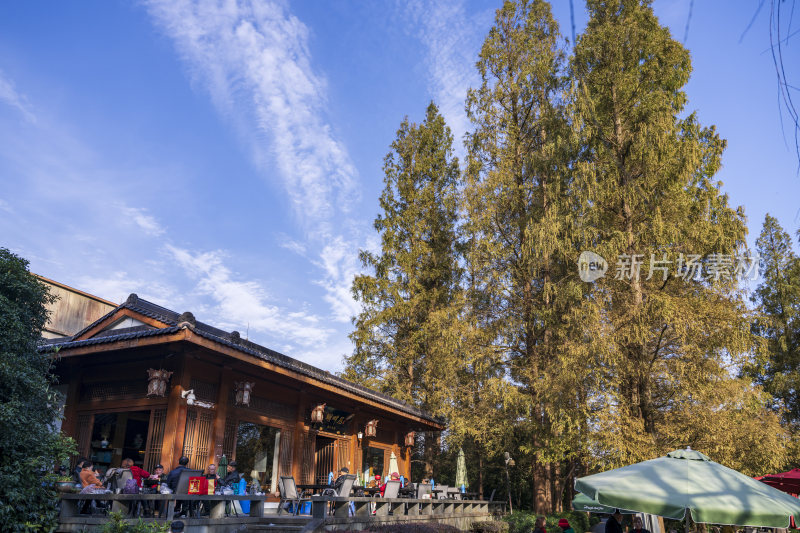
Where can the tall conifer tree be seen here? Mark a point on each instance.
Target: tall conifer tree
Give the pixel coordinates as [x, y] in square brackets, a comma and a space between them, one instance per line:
[521, 248]
[646, 182]
[404, 339]
[778, 297]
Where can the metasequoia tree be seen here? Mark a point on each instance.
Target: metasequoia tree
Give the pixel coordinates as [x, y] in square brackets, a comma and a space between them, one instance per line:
[670, 314]
[404, 341]
[521, 246]
[777, 366]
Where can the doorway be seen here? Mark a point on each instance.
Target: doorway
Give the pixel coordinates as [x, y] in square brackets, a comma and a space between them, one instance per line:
[118, 436]
[257, 450]
[325, 460]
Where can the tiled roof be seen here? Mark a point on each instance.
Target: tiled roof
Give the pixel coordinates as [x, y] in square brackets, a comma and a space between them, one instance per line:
[232, 340]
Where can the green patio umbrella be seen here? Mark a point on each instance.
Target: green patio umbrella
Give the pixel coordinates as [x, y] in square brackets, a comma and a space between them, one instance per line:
[461, 470]
[688, 480]
[582, 502]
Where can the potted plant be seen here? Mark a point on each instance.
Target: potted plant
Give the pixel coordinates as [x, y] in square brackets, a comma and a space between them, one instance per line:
[65, 484]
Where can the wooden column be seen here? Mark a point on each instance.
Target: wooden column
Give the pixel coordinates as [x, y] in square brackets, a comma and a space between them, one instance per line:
[68, 426]
[221, 415]
[175, 426]
[299, 434]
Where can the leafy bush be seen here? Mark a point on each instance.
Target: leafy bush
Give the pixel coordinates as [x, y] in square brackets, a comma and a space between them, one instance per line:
[524, 521]
[116, 524]
[432, 527]
[489, 526]
[29, 448]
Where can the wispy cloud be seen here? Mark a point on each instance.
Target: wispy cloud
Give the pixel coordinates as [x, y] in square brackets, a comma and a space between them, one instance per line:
[452, 38]
[253, 58]
[245, 304]
[339, 261]
[10, 96]
[143, 220]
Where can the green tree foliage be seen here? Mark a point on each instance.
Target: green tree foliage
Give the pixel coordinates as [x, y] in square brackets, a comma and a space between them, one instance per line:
[645, 178]
[404, 343]
[29, 447]
[777, 367]
[520, 220]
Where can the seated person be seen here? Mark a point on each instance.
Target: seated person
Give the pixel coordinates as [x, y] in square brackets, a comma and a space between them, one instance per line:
[158, 474]
[343, 473]
[138, 473]
[232, 477]
[394, 477]
[211, 473]
[89, 480]
[175, 473]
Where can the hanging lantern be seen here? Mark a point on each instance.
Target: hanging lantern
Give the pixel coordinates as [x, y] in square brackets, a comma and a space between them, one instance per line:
[410, 438]
[372, 428]
[243, 390]
[318, 414]
[157, 381]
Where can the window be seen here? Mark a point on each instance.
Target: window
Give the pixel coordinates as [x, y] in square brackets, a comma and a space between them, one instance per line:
[372, 463]
[257, 449]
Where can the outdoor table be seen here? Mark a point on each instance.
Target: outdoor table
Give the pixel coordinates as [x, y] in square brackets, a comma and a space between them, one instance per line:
[369, 491]
[313, 487]
[436, 493]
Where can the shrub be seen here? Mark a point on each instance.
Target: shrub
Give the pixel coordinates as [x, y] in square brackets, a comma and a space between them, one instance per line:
[524, 521]
[489, 526]
[433, 527]
[116, 524]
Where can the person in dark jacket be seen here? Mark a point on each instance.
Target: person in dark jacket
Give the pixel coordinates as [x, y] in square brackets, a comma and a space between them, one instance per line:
[539, 525]
[614, 522]
[232, 476]
[175, 473]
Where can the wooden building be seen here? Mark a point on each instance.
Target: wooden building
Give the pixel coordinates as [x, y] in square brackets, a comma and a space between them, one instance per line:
[148, 383]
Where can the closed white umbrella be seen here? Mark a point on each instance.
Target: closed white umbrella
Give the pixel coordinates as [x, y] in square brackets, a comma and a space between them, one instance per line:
[393, 464]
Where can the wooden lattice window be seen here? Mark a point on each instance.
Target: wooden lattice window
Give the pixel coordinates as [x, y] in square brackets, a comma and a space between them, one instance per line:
[344, 454]
[118, 390]
[286, 453]
[155, 439]
[204, 390]
[197, 438]
[309, 451]
[229, 438]
[270, 408]
[83, 436]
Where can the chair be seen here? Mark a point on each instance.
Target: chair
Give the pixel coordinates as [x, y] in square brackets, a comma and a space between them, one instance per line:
[422, 490]
[183, 483]
[443, 494]
[392, 489]
[288, 489]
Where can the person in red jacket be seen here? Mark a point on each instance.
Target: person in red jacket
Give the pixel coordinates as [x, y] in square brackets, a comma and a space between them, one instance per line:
[138, 473]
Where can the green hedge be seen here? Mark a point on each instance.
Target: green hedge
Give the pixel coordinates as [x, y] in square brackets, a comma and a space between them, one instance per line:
[489, 526]
[524, 521]
[409, 528]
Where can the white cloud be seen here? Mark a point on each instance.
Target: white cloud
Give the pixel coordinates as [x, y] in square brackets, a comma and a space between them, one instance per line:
[243, 305]
[339, 261]
[10, 96]
[452, 38]
[145, 221]
[253, 58]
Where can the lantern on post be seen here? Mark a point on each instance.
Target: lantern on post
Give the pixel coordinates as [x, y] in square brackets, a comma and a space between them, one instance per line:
[372, 428]
[318, 414]
[410, 438]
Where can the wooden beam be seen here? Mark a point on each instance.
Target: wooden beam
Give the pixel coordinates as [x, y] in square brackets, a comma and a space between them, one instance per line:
[221, 415]
[189, 336]
[174, 407]
[122, 313]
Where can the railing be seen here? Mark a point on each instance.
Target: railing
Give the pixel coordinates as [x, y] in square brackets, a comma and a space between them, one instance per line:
[122, 502]
[323, 506]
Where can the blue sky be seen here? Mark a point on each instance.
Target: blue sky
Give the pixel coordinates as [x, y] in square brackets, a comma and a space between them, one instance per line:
[225, 157]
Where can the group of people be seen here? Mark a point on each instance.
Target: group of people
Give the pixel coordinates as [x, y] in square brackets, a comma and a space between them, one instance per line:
[613, 524]
[90, 479]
